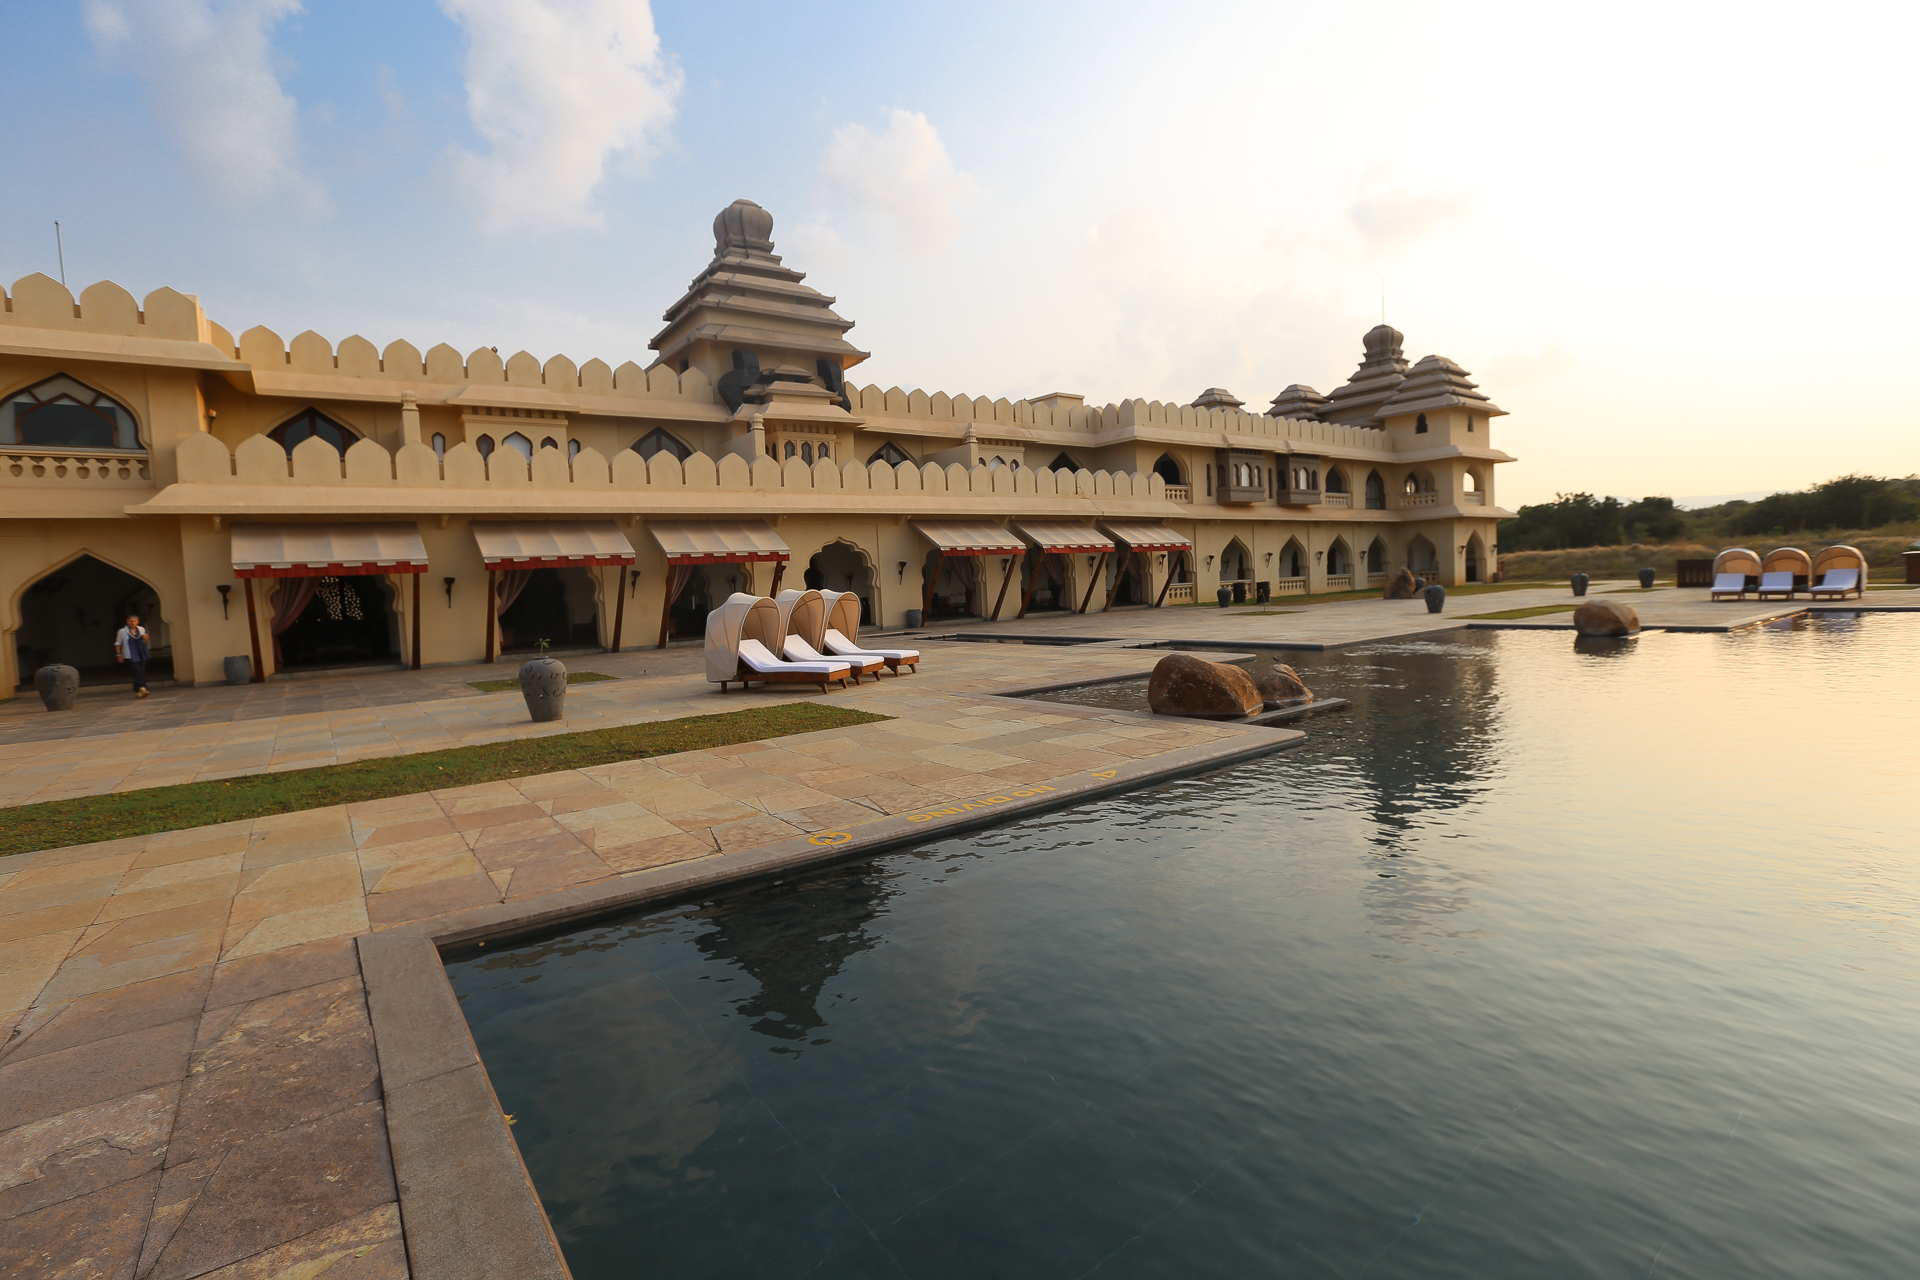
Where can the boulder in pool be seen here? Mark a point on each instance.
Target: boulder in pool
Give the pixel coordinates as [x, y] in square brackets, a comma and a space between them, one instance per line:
[1401, 586]
[1185, 686]
[1281, 686]
[1605, 618]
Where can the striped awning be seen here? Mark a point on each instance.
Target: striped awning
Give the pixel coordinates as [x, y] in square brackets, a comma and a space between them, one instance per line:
[1063, 536]
[1141, 536]
[326, 550]
[718, 541]
[970, 537]
[550, 544]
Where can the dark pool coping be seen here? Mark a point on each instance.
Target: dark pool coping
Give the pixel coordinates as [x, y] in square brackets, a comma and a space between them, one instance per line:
[468, 1207]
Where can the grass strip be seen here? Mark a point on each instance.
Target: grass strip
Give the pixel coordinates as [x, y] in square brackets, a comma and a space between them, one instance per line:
[573, 677]
[1507, 615]
[53, 824]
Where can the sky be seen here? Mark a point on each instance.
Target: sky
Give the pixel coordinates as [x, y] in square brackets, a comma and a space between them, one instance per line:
[1673, 241]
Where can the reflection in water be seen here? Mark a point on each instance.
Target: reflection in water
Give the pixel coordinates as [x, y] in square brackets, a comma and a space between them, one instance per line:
[1533, 962]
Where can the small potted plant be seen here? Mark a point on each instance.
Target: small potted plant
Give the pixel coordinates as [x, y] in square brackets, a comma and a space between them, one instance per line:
[543, 683]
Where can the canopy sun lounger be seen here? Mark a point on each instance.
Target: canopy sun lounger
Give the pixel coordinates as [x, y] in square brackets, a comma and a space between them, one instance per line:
[1776, 584]
[1789, 562]
[1839, 571]
[758, 664]
[863, 664]
[1732, 569]
[1727, 585]
[738, 633]
[1838, 584]
[843, 620]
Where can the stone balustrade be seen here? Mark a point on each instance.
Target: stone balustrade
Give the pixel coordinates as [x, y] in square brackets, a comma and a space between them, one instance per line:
[73, 468]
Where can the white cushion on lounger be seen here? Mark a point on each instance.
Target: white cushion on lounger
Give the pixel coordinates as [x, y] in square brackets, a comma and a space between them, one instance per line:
[799, 650]
[1729, 582]
[1771, 582]
[755, 655]
[1839, 580]
[845, 648]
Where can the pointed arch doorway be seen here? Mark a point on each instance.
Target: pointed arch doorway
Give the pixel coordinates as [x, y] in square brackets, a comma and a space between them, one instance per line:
[70, 614]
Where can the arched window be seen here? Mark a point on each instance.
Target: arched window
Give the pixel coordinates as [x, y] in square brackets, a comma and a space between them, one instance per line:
[439, 446]
[1064, 463]
[1376, 492]
[790, 450]
[1469, 422]
[63, 414]
[521, 443]
[1470, 482]
[1336, 481]
[825, 451]
[890, 453]
[573, 450]
[1167, 469]
[1337, 559]
[485, 445]
[1420, 425]
[549, 443]
[309, 423]
[659, 441]
[996, 462]
[806, 454]
[1413, 483]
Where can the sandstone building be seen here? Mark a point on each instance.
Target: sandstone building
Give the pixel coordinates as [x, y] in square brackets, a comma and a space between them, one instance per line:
[309, 505]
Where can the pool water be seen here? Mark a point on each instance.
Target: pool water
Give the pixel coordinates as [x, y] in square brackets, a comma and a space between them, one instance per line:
[1536, 961]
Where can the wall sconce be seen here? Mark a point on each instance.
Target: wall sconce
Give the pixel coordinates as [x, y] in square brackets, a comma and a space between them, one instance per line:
[225, 589]
[1163, 560]
[1269, 557]
[1317, 555]
[1209, 562]
[1092, 560]
[449, 582]
[903, 571]
[633, 583]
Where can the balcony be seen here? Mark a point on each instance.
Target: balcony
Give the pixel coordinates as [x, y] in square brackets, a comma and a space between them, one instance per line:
[1337, 499]
[1420, 500]
[1474, 498]
[73, 468]
[1179, 493]
[1180, 593]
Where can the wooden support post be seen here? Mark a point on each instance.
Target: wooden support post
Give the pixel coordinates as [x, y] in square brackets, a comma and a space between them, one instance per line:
[926, 603]
[1120, 571]
[1033, 585]
[416, 619]
[666, 609]
[1005, 578]
[1092, 582]
[619, 609]
[253, 630]
[1168, 584]
[779, 572]
[493, 605]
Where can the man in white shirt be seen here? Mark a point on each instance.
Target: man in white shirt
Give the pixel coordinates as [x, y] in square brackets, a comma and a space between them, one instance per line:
[131, 646]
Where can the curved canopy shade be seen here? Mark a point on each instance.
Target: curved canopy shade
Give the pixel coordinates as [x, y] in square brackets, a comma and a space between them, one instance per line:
[843, 612]
[1736, 560]
[1787, 560]
[803, 614]
[739, 617]
[1840, 556]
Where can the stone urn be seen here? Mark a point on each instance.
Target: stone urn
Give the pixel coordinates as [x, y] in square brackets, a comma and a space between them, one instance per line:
[543, 683]
[1606, 618]
[1224, 595]
[1186, 686]
[1281, 686]
[237, 669]
[1579, 584]
[1646, 579]
[913, 620]
[1436, 596]
[1401, 586]
[59, 685]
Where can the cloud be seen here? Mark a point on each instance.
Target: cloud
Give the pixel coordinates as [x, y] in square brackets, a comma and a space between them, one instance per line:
[901, 179]
[557, 88]
[1389, 217]
[208, 70]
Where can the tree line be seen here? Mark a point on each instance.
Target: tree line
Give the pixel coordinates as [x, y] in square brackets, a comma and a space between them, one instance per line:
[1851, 502]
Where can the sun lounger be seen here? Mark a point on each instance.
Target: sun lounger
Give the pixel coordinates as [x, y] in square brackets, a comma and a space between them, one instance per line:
[1730, 585]
[1776, 584]
[863, 664]
[1837, 584]
[757, 663]
[841, 647]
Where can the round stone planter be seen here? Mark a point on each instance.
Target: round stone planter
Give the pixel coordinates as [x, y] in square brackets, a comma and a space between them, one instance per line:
[1436, 596]
[1224, 595]
[913, 619]
[59, 685]
[543, 683]
[1579, 584]
[238, 670]
[1646, 579]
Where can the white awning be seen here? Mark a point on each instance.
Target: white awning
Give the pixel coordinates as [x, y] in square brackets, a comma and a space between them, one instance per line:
[1063, 536]
[326, 550]
[970, 538]
[550, 544]
[1142, 536]
[718, 541]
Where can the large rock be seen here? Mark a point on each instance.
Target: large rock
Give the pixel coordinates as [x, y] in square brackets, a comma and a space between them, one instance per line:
[1401, 586]
[1281, 686]
[1605, 618]
[1184, 686]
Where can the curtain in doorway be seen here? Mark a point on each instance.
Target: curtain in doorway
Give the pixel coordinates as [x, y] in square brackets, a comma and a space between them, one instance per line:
[512, 583]
[678, 576]
[289, 600]
[963, 567]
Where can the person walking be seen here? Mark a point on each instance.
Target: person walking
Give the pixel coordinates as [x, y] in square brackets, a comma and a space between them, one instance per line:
[131, 646]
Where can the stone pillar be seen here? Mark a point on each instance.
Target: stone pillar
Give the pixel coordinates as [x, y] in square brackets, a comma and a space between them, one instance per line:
[409, 418]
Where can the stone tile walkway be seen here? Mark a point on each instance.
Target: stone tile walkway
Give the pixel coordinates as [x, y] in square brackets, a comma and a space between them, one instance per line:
[188, 1082]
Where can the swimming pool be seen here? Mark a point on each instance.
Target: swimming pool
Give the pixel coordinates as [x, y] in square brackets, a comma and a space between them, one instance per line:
[1534, 961]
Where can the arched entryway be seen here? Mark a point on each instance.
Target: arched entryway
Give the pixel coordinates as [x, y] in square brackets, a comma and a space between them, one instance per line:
[1339, 560]
[559, 606]
[707, 585]
[1124, 578]
[333, 621]
[1476, 557]
[1421, 556]
[1293, 560]
[1236, 569]
[1168, 469]
[1043, 583]
[70, 615]
[957, 588]
[1377, 558]
[1376, 492]
[841, 566]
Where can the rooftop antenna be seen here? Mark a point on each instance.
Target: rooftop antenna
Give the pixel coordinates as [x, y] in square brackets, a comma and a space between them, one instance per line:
[60, 249]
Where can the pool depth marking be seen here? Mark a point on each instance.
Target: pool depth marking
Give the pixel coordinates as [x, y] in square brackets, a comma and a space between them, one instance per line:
[987, 803]
[830, 837]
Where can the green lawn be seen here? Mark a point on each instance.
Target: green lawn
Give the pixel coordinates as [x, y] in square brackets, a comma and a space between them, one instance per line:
[573, 677]
[54, 824]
